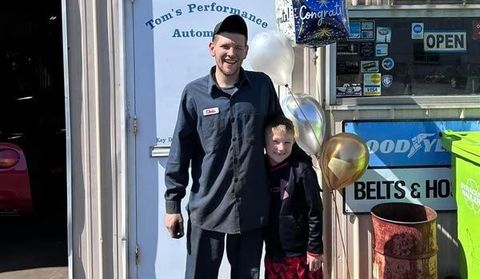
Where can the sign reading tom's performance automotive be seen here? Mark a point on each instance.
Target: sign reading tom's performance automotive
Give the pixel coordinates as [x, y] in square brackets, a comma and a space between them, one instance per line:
[174, 48]
[407, 164]
[447, 41]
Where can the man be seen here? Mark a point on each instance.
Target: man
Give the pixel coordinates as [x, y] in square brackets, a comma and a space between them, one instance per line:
[219, 134]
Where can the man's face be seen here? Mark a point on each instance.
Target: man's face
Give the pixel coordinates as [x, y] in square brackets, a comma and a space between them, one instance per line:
[278, 145]
[229, 51]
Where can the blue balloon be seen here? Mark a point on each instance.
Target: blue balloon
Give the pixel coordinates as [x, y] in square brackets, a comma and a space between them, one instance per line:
[320, 22]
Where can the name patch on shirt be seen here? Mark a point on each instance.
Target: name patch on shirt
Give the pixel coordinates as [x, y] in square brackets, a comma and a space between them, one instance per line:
[210, 111]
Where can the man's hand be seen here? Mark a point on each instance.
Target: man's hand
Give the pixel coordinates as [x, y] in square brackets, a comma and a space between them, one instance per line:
[174, 224]
[314, 262]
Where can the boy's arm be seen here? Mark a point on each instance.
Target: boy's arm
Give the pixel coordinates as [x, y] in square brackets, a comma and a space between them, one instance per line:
[315, 211]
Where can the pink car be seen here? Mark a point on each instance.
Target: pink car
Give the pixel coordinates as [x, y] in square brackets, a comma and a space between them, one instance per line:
[15, 196]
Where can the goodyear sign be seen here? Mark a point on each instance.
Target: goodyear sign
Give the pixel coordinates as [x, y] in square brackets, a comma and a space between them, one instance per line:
[407, 163]
[445, 42]
[410, 143]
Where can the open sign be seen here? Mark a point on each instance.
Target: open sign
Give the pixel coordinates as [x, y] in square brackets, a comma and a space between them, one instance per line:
[445, 41]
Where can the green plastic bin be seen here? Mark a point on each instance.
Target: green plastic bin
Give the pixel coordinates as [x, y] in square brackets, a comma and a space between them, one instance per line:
[465, 149]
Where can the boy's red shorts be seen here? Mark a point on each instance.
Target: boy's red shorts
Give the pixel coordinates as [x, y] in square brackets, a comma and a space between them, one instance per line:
[290, 268]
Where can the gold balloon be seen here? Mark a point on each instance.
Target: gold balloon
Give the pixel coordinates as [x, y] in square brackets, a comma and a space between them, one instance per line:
[344, 158]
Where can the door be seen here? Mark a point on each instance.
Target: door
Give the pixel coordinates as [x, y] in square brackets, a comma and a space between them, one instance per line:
[167, 46]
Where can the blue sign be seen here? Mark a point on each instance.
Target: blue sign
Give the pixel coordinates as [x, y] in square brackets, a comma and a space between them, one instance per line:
[354, 30]
[407, 143]
[388, 63]
[417, 28]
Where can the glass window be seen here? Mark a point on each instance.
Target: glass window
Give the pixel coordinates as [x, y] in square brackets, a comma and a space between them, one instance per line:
[409, 56]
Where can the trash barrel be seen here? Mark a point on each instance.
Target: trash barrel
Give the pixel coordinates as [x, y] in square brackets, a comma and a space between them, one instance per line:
[404, 241]
[465, 149]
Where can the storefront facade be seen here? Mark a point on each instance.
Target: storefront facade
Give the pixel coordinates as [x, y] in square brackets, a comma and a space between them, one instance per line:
[415, 69]
[405, 66]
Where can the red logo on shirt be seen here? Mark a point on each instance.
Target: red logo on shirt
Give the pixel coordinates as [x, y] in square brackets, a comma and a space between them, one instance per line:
[210, 111]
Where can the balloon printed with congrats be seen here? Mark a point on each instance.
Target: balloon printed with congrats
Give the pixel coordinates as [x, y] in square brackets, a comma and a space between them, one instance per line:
[270, 52]
[344, 159]
[308, 118]
[313, 23]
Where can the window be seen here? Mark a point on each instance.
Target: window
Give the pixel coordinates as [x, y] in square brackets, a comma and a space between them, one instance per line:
[393, 52]
[414, 56]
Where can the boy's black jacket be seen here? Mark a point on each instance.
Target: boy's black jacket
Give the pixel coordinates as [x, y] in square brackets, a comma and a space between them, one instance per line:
[300, 220]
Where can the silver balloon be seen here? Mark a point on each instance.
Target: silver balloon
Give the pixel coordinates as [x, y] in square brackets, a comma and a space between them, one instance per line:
[270, 52]
[309, 119]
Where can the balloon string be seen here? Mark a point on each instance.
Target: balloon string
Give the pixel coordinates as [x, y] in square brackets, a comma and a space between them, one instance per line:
[344, 248]
[304, 115]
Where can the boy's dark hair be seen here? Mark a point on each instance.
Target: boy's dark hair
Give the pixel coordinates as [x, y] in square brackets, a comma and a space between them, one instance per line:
[279, 122]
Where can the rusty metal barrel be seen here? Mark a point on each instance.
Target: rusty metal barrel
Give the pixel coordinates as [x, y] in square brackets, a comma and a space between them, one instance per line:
[404, 241]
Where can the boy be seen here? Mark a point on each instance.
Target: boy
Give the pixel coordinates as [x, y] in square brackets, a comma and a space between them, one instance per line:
[293, 238]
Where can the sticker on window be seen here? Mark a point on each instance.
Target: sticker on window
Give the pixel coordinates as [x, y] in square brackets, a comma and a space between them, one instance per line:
[381, 50]
[388, 63]
[417, 30]
[384, 34]
[372, 84]
[387, 81]
[349, 90]
[369, 66]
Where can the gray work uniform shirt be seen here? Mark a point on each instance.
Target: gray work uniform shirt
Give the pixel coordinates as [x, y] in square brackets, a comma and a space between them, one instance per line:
[221, 137]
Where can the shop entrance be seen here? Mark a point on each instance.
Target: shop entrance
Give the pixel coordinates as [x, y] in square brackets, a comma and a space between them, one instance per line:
[33, 199]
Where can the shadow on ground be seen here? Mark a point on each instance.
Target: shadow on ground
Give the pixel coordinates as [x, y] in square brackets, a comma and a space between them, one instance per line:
[31, 243]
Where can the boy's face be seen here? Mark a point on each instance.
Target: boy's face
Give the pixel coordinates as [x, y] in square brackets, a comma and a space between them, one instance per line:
[279, 146]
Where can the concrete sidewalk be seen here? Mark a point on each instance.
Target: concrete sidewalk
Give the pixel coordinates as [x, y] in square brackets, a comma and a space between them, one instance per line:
[37, 273]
